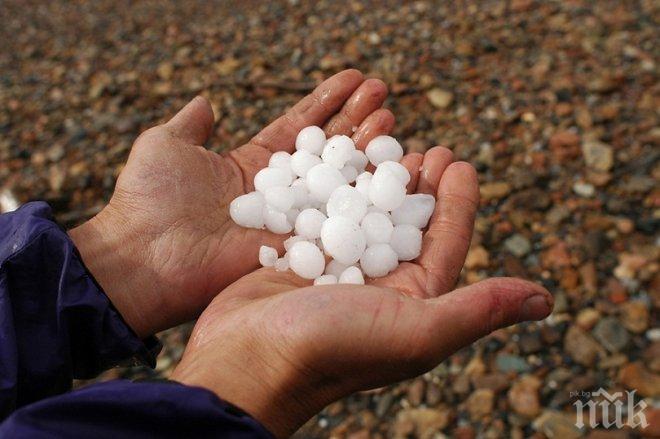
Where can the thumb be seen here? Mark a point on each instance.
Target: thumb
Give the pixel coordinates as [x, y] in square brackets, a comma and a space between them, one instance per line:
[194, 122]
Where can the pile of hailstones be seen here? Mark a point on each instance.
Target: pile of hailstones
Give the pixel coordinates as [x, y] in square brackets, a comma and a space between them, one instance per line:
[365, 222]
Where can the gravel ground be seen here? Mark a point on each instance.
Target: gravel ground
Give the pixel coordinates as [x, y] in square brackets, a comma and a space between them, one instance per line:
[555, 103]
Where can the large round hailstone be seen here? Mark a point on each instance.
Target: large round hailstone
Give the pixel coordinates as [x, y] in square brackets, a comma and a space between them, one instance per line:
[395, 168]
[325, 279]
[347, 201]
[337, 151]
[267, 256]
[378, 260]
[306, 260]
[377, 228]
[280, 159]
[358, 160]
[271, 177]
[276, 221]
[335, 268]
[352, 275]
[302, 161]
[343, 239]
[309, 223]
[322, 180]
[386, 190]
[406, 241]
[383, 148]
[362, 182]
[300, 193]
[415, 210]
[247, 210]
[280, 197]
[311, 139]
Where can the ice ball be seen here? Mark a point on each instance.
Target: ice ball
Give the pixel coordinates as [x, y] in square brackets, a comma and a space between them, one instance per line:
[383, 148]
[288, 243]
[386, 190]
[352, 275]
[362, 184]
[395, 168]
[349, 173]
[325, 279]
[337, 151]
[415, 210]
[280, 197]
[271, 177]
[377, 228]
[322, 179]
[343, 239]
[300, 193]
[311, 139]
[267, 256]
[378, 260]
[302, 161]
[335, 268]
[280, 159]
[276, 221]
[406, 241]
[282, 264]
[247, 210]
[309, 223]
[358, 160]
[306, 260]
[347, 201]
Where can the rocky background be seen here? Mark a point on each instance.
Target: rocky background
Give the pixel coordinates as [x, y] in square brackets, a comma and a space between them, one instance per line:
[555, 103]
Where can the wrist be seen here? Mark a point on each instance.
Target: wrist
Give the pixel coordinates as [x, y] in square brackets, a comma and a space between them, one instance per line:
[111, 251]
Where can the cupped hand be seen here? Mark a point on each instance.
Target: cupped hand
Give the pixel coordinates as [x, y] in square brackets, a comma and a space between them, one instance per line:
[281, 349]
[165, 245]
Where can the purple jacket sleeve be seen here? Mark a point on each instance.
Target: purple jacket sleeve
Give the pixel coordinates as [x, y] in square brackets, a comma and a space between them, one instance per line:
[57, 324]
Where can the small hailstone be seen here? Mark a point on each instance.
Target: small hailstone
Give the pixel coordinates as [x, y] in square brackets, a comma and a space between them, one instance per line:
[337, 151]
[415, 210]
[378, 260]
[311, 139]
[362, 184]
[343, 239]
[247, 210]
[267, 256]
[376, 209]
[325, 279]
[383, 148]
[358, 160]
[280, 159]
[300, 194]
[306, 260]
[377, 228]
[352, 275]
[271, 177]
[280, 197]
[348, 202]
[288, 243]
[349, 173]
[309, 223]
[322, 180]
[386, 190]
[276, 221]
[302, 161]
[291, 215]
[282, 264]
[335, 268]
[395, 168]
[406, 241]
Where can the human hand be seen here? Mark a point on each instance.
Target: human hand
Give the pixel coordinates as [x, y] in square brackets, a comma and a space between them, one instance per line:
[165, 245]
[282, 350]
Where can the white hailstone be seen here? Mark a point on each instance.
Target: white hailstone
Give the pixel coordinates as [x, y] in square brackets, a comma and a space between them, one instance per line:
[335, 268]
[349, 173]
[337, 151]
[247, 210]
[376, 209]
[352, 275]
[362, 184]
[291, 215]
[343, 239]
[311, 139]
[306, 260]
[300, 194]
[348, 202]
[282, 264]
[406, 241]
[415, 210]
[271, 177]
[280, 159]
[378, 260]
[276, 221]
[386, 190]
[395, 168]
[383, 148]
[322, 180]
[309, 223]
[377, 228]
[325, 279]
[280, 197]
[288, 243]
[267, 256]
[302, 161]
[358, 160]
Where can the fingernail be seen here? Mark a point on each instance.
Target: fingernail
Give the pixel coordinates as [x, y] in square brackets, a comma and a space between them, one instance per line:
[535, 308]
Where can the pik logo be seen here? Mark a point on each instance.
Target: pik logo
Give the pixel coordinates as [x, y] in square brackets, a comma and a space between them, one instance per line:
[612, 410]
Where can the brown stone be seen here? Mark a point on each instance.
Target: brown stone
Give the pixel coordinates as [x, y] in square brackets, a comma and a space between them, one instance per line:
[480, 403]
[524, 396]
[635, 316]
[581, 346]
[635, 376]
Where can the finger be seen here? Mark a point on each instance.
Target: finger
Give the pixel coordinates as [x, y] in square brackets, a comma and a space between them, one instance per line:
[193, 123]
[378, 123]
[313, 109]
[412, 162]
[445, 244]
[435, 162]
[467, 314]
[369, 97]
